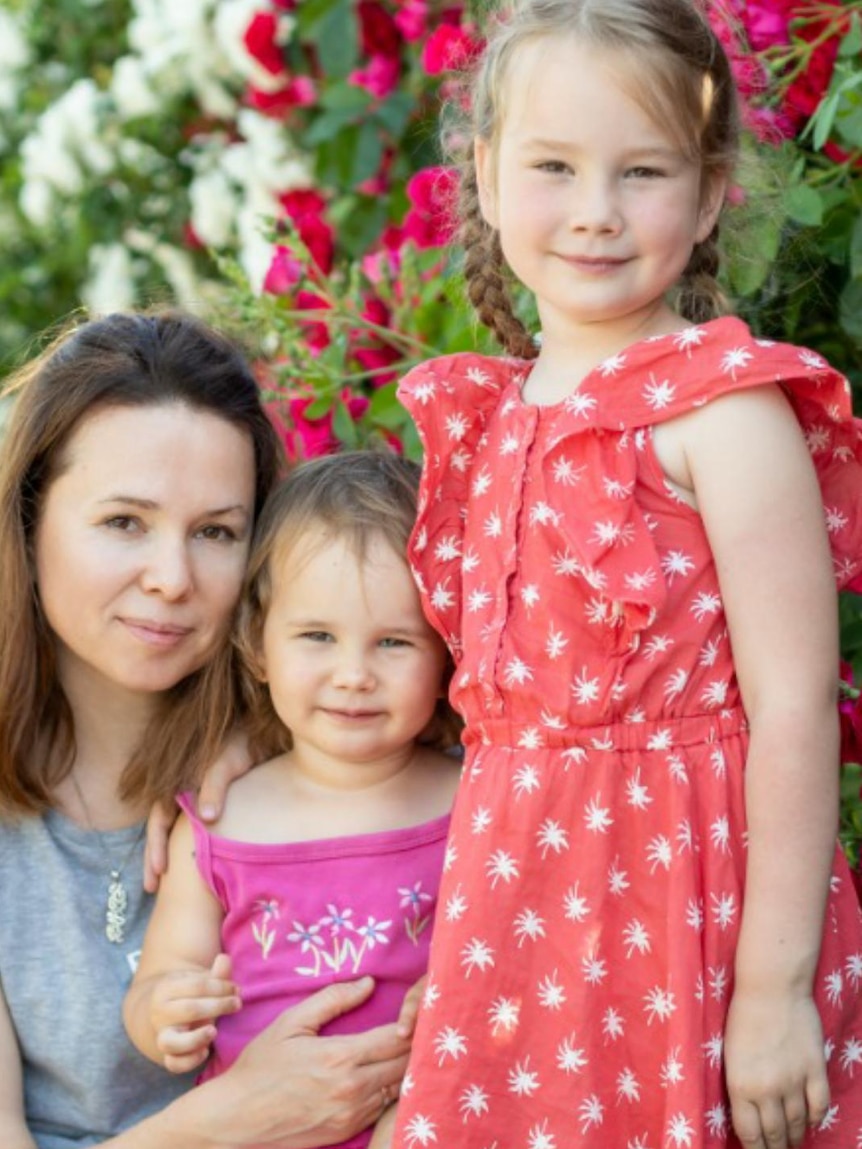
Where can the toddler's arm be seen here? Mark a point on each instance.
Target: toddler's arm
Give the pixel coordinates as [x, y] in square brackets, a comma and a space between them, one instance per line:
[761, 505]
[182, 983]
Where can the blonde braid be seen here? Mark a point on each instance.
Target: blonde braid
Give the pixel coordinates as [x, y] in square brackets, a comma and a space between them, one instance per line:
[699, 297]
[485, 273]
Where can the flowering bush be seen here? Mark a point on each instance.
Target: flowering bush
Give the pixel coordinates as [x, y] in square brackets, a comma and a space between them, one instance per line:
[275, 162]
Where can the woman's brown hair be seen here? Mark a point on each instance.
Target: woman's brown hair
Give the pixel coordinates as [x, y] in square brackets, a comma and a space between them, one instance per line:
[677, 68]
[120, 360]
[355, 496]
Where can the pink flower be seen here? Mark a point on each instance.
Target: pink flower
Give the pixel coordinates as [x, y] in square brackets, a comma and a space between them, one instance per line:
[260, 42]
[850, 711]
[412, 20]
[299, 92]
[450, 48]
[305, 207]
[378, 30]
[307, 438]
[379, 77]
[431, 218]
[370, 350]
[285, 271]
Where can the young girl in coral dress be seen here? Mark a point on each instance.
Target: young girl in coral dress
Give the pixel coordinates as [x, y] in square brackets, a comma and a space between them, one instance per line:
[326, 862]
[630, 535]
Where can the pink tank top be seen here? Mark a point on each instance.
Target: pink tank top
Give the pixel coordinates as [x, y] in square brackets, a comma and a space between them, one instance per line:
[301, 915]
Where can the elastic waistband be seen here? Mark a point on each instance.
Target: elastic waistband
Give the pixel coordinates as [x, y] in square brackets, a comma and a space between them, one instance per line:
[655, 734]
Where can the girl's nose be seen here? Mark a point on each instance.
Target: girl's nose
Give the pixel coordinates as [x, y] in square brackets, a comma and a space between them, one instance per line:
[168, 569]
[594, 207]
[353, 672]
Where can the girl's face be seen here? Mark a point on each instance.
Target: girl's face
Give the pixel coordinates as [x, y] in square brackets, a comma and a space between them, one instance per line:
[353, 668]
[141, 546]
[597, 208]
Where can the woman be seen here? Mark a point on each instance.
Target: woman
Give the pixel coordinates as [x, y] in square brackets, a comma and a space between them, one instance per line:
[131, 472]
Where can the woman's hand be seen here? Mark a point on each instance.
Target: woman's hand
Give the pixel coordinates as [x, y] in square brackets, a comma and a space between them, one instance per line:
[776, 1069]
[293, 1089]
[410, 1007]
[232, 763]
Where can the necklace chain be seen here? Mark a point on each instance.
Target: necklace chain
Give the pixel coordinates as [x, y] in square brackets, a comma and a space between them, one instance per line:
[117, 902]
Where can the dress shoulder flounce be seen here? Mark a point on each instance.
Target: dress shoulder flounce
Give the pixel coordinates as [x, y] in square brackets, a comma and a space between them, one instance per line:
[450, 399]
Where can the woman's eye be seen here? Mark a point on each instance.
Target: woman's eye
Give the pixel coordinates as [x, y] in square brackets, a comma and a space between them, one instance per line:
[124, 523]
[217, 533]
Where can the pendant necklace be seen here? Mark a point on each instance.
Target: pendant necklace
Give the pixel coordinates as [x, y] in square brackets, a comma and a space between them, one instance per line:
[117, 902]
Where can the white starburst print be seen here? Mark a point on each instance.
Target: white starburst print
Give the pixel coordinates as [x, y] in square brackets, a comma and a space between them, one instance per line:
[705, 603]
[659, 852]
[420, 1130]
[571, 1058]
[637, 794]
[717, 1120]
[597, 817]
[526, 780]
[590, 1113]
[613, 1024]
[503, 1015]
[595, 969]
[529, 926]
[612, 365]
[565, 472]
[723, 909]
[676, 564]
[522, 1080]
[555, 643]
[539, 1137]
[735, 359]
[659, 1004]
[680, 1132]
[713, 1050]
[478, 599]
[482, 483]
[442, 597]
[688, 338]
[580, 404]
[449, 1042]
[447, 549]
[517, 673]
[851, 1055]
[551, 994]
[672, 1071]
[552, 836]
[636, 938]
[618, 879]
[659, 395]
[456, 905]
[477, 954]
[501, 867]
[481, 820]
[473, 1102]
[575, 905]
[628, 1086]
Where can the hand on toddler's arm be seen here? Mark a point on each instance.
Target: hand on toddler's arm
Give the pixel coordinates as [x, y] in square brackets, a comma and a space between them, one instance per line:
[410, 1007]
[182, 1006]
[776, 1068]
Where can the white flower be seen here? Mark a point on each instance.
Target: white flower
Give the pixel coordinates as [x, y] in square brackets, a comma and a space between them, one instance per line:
[110, 285]
[131, 89]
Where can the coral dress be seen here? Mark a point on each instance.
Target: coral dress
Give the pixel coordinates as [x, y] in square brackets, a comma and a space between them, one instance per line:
[582, 962]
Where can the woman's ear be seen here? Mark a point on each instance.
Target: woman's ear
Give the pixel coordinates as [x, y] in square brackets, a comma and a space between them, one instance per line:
[712, 201]
[483, 158]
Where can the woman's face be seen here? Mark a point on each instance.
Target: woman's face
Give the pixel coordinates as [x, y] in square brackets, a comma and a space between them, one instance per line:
[141, 546]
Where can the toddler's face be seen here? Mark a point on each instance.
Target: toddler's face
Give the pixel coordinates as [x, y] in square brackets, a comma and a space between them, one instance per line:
[353, 667]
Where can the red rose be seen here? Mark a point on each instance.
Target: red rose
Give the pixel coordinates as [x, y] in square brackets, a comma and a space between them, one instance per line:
[260, 41]
[450, 48]
[430, 222]
[305, 207]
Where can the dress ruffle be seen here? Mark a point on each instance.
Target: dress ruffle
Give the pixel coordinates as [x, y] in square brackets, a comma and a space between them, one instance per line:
[598, 432]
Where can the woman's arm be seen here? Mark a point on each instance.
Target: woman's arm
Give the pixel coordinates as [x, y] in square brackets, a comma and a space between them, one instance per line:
[758, 494]
[13, 1126]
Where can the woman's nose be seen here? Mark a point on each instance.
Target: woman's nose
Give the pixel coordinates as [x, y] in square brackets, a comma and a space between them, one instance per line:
[168, 569]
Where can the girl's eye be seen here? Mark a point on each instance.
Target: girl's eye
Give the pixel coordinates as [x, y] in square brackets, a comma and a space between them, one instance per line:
[217, 533]
[645, 173]
[393, 643]
[554, 167]
[317, 636]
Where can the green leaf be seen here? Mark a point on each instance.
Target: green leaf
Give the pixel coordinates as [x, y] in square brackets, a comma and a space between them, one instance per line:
[850, 309]
[851, 46]
[368, 154]
[856, 248]
[395, 111]
[337, 39]
[804, 205]
[343, 425]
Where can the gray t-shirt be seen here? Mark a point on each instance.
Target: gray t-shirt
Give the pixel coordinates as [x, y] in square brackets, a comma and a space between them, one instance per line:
[64, 981]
